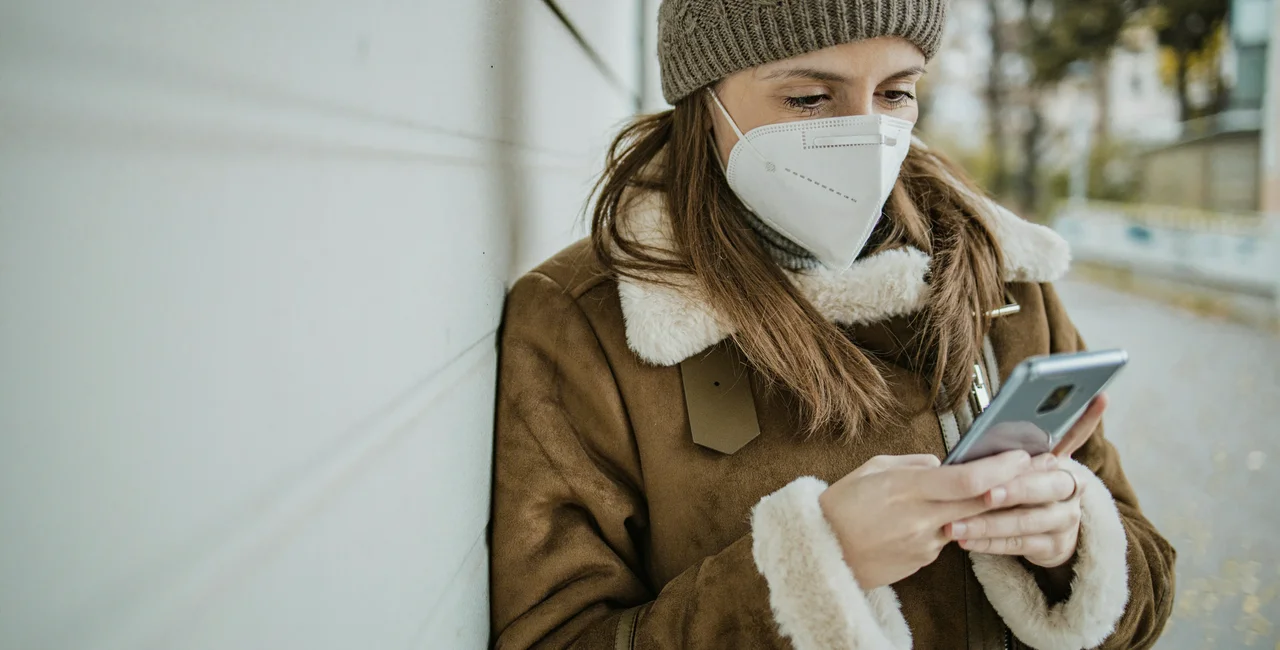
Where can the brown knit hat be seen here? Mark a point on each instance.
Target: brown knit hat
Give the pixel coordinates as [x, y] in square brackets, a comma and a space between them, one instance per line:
[701, 41]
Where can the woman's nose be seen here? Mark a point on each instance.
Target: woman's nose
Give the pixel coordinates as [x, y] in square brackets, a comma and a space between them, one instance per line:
[861, 104]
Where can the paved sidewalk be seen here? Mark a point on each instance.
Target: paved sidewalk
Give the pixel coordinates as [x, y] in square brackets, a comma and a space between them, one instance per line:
[1196, 417]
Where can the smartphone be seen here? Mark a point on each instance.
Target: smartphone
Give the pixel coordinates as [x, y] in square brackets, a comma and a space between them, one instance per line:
[1038, 404]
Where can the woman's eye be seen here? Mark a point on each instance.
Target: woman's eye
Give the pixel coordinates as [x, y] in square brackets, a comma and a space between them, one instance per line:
[807, 102]
[898, 96]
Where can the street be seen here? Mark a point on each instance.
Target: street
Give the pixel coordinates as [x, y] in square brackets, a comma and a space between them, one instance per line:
[1195, 419]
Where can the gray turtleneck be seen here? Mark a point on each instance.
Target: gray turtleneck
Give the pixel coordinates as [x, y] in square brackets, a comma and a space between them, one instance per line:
[788, 254]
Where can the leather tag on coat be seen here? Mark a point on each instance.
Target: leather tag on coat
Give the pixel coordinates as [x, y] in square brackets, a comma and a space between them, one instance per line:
[718, 397]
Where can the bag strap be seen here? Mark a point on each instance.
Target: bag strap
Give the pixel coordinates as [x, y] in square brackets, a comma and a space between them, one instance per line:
[986, 383]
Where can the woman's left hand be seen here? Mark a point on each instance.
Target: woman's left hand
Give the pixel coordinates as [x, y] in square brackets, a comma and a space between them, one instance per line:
[1039, 517]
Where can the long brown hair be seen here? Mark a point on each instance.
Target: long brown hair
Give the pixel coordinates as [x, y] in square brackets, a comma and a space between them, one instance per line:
[839, 386]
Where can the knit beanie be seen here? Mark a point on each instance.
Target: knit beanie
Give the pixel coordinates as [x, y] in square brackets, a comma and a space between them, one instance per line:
[702, 41]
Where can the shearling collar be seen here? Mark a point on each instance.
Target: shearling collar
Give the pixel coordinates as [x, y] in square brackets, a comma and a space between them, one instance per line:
[667, 324]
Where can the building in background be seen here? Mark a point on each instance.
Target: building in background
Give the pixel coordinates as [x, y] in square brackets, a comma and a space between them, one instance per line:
[1123, 99]
[1218, 163]
[1142, 109]
[1196, 221]
[1270, 200]
[1251, 28]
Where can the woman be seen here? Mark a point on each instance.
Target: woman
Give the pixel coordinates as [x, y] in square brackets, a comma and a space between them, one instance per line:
[719, 420]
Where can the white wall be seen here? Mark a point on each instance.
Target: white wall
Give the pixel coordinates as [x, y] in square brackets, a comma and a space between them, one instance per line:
[651, 97]
[252, 261]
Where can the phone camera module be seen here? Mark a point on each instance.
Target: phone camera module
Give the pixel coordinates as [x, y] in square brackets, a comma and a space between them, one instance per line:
[1055, 399]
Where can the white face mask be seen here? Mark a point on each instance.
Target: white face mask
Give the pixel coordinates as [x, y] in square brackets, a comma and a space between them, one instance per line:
[820, 183]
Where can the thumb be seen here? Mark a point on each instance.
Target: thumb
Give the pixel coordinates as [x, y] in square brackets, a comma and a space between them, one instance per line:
[1083, 429]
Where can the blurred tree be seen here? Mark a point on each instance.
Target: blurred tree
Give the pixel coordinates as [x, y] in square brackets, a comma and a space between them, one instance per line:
[1069, 31]
[1113, 175]
[998, 174]
[1188, 28]
[1058, 35]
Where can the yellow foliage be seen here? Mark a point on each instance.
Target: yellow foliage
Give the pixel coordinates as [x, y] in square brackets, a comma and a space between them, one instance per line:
[1202, 65]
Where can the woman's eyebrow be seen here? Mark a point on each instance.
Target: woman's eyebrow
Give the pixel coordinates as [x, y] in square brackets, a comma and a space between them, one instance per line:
[907, 74]
[806, 73]
[833, 77]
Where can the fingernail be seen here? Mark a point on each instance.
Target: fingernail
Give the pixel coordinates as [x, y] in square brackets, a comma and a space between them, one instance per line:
[957, 531]
[998, 496]
[1047, 462]
[964, 543]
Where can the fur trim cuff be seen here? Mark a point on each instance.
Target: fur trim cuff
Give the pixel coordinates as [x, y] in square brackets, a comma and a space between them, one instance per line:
[1099, 591]
[815, 599]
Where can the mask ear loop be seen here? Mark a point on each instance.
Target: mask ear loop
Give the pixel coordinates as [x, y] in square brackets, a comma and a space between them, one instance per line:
[741, 138]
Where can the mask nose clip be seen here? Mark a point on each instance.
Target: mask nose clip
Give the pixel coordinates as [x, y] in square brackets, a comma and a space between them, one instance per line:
[855, 141]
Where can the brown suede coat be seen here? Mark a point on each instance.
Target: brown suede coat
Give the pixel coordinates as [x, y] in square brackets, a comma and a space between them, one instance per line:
[611, 528]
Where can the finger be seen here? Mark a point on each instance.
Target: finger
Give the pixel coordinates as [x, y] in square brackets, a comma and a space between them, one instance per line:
[1033, 488]
[1032, 545]
[960, 482]
[1018, 522]
[1044, 463]
[885, 463]
[1083, 429]
[938, 514]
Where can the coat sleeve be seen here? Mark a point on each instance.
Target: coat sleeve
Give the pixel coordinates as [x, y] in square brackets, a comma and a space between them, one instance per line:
[569, 522]
[1122, 592]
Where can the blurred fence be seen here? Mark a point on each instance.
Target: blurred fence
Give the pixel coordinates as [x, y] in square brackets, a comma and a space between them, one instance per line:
[1234, 252]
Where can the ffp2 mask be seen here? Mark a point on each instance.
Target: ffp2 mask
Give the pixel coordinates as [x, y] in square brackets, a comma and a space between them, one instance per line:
[821, 183]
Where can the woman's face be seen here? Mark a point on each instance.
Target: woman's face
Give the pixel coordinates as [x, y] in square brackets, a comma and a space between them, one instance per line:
[871, 77]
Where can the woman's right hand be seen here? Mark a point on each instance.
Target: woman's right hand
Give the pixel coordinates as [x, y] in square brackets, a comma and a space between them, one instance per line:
[889, 513]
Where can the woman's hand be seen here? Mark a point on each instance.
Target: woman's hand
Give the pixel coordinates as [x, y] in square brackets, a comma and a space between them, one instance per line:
[1039, 512]
[1038, 517]
[890, 514]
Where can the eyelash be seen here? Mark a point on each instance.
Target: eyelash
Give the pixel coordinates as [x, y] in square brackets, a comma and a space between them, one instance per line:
[902, 97]
[811, 104]
[806, 103]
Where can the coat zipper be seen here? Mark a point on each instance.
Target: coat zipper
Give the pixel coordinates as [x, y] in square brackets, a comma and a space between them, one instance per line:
[1008, 639]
